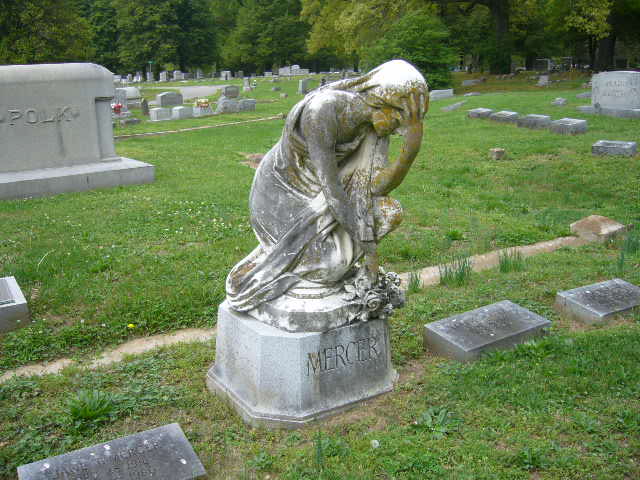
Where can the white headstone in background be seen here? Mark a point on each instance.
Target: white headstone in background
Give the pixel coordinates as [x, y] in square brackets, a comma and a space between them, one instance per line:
[57, 134]
[14, 312]
[616, 94]
[164, 76]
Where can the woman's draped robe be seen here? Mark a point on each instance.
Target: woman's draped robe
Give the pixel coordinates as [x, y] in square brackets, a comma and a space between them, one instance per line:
[301, 243]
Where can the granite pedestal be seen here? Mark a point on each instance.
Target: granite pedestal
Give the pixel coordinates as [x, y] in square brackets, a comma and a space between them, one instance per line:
[534, 121]
[614, 147]
[479, 112]
[279, 379]
[504, 116]
[568, 126]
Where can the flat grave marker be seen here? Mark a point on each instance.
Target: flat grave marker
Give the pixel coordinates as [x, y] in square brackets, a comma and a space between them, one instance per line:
[162, 453]
[14, 311]
[479, 112]
[453, 106]
[568, 126]
[504, 116]
[497, 326]
[534, 121]
[614, 147]
[598, 302]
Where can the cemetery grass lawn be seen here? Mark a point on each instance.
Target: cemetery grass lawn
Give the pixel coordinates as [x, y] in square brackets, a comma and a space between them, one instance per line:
[101, 267]
[566, 406]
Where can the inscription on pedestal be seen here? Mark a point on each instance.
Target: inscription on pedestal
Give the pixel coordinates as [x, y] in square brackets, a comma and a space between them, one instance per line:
[163, 453]
[344, 355]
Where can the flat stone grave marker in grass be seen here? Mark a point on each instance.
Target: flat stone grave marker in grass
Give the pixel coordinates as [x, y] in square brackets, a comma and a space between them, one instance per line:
[453, 106]
[534, 121]
[598, 302]
[584, 95]
[440, 94]
[162, 453]
[558, 102]
[479, 112]
[14, 312]
[504, 116]
[586, 109]
[470, 83]
[472, 94]
[497, 326]
[596, 228]
[614, 147]
[568, 126]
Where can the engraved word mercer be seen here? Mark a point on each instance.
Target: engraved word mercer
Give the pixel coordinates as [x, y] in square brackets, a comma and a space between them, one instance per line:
[32, 116]
[343, 356]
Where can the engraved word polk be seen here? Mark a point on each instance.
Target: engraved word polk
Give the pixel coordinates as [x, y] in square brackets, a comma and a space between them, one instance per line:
[344, 356]
[33, 116]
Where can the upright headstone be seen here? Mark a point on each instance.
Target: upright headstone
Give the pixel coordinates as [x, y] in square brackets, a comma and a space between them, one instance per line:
[231, 91]
[497, 326]
[129, 78]
[616, 94]
[120, 98]
[144, 106]
[440, 94]
[57, 132]
[303, 86]
[199, 74]
[159, 114]
[14, 311]
[178, 75]
[239, 74]
[598, 302]
[160, 453]
[164, 76]
[138, 77]
[227, 105]
[247, 105]
[169, 99]
[182, 111]
[543, 81]
[246, 86]
[150, 77]
[225, 75]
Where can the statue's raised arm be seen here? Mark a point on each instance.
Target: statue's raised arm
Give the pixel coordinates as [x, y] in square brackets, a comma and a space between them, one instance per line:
[319, 204]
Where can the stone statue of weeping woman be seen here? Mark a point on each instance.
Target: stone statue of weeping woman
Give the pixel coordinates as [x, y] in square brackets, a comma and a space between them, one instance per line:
[319, 204]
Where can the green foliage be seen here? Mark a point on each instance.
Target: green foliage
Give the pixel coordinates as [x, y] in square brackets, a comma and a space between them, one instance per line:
[41, 31]
[91, 406]
[511, 260]
[263, 461]
[415, 282]
[421, 39]
[456, 272]
[438, 421]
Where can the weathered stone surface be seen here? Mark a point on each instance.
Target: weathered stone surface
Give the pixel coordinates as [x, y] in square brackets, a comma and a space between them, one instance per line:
[471, 82]
[588, 109]
[159, 114]
[149, 76]
[227, 105]
[284, 95]
[596, 228]
[247, 105]
[543, 81]
[568, 126]
[275, 89]
[598, 302]
[14, 311]
[57, 133]
[286, 380]
[183, 111]
[164, 76]
[584, 95]
[129, 121]
[479, 113]
[144, 106]
[453, 106]
[120, 98]
[616, 94]
[497, 153]
[161, 453]
[504, 116]
[169, 99]
[303, 86]
[613, 147]
[231, 91]
[497, 326]
[534, 121]
[558, 102]
[440, 94]
[472, 94]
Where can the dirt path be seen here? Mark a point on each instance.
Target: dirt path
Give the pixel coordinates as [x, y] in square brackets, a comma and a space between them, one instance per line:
[429, 276]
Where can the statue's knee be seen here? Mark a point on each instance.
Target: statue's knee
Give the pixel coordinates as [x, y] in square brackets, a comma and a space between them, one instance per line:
[388, 215]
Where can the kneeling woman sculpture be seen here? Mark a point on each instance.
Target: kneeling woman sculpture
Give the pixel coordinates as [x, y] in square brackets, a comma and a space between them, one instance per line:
[319, 204]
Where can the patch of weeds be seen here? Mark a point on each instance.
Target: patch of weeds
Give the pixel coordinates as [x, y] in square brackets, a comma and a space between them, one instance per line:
[454, 235]
[91, 407]
[415, 282]
[438, 421]
[631, 243]
[531, 458]
[262, 461]
[318, 449]
[457, 272]
[511, 260]
[620, 262]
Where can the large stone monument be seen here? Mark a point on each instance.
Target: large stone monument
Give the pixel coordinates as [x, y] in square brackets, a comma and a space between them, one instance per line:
[616, 94]
[304, 333]
[56, 131]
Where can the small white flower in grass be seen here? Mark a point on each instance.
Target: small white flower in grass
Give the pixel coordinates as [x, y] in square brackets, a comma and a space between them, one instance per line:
[375, 444]
[183, 461]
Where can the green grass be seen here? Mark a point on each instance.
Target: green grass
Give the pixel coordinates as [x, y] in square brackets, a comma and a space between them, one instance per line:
[562, 407]
[511, 260]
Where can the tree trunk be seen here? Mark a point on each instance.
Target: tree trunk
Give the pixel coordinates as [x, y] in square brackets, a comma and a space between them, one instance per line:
[605, 59]
[501, 61]
[592, 53]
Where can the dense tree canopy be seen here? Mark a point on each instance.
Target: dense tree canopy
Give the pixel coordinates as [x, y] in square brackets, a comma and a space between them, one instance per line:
[258, 35]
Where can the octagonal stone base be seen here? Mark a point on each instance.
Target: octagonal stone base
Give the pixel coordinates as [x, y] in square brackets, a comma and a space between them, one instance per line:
[279, 379]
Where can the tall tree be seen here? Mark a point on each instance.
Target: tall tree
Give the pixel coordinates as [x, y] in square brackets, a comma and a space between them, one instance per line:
[37, 31]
